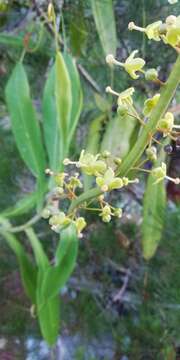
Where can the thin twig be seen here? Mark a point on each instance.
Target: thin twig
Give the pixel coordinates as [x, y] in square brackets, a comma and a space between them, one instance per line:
[119, 295]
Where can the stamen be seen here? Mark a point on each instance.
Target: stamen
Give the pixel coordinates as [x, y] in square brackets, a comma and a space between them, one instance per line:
[174, 180]
[132, 26]
[109, 90]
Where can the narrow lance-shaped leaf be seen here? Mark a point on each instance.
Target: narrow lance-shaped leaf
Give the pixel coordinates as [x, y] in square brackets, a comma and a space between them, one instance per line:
[105, 23]
[40, 256]
[50, 122]
[117, 137]
[56, 277]
[27, 269]
[49, 319]
[154, 205]
[22, 206]
[61, 118]
[24, 121]
[77, 96]
[49, 311]
[63, 101]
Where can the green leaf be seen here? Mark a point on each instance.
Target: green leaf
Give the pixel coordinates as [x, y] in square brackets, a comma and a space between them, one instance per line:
[27, 269]
[102, 103]
[50, 123]
[154, 205]
[93, 144]
[63, 96]
[22, 206]
[77, 96]
[60, 117]
[105, 23]
[40, 256]
[77, 31]
[117, 137]
[49, 319]
[56, 277]
[24, 122]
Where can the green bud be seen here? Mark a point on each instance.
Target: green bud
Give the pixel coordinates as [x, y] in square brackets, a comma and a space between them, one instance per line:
[106, 154]
[166, 124]
[151, 153]
[117, 183]
[58, 191]
[57, 219]
[80, 223]
[159, 173]
[59, 179]
[106, 218]
[150, 104]
[117, 161]
[122, 110]
[125, 181]
[151, 75]
[118, 212]
[75, 182]
[106, 210]
[46, 213]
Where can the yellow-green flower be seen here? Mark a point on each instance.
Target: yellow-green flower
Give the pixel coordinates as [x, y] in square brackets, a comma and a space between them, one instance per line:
[109, 181]
[80, 225]
[59, 221]
[166, 124]
[150, 104]
[90, 164]
[159, 173]
[132, 65]
[126, 96]
[172, 36]
[152, 30]
[151, 153]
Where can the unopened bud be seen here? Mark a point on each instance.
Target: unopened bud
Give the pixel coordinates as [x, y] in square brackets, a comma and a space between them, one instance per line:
[122, 110]
[151, 75]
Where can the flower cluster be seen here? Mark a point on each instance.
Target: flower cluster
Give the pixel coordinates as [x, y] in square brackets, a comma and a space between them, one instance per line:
[67, 186]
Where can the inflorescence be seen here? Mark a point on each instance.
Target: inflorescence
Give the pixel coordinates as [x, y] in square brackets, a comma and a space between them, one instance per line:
[104, 167]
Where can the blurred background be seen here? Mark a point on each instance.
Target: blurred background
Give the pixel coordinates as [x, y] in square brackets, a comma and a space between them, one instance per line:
[116, 305]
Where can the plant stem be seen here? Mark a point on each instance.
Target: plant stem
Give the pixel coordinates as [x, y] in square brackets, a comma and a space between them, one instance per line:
[88, 195]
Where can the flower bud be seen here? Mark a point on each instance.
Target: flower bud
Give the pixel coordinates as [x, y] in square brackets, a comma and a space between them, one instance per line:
[117, 161]
[151, 153]
[57, 219]
[151, 75]
[106, 218]
[122, 110]
[80, 224]
[105, 154]
[166, 124]
[46, 213]
[118, 212]
[159, 173]
[125, 181]
[117, 183]
[58, 191]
